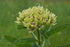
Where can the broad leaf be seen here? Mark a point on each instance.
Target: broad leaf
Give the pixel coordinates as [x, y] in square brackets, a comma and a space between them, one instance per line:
[44, 30]
[21, 26]
[10, 38]
[55, 30]
[35, 45]
[23, 45]
[27, 42]
[58, 29]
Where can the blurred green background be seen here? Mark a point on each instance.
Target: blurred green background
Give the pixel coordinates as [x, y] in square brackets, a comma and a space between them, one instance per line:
[9, 11]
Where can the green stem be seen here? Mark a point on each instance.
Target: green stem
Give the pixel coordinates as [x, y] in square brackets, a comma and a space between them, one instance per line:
[34, 36]
[43, 43]
[38, 37]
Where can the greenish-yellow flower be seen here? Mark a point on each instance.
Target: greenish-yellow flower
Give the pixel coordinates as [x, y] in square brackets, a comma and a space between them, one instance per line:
[36, 17]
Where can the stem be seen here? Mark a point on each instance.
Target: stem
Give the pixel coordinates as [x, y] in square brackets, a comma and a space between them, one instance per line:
[38, 37]
[43, 43]
[34, 36]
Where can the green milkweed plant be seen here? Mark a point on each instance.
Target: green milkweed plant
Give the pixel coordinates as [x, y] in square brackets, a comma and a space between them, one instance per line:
[39, 22]
[36, 18]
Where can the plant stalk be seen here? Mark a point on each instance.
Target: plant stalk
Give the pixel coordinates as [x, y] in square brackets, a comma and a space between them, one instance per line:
[34, 36]
[38, 37]
[43, 43]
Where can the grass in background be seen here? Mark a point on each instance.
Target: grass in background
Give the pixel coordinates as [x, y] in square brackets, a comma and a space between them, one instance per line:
[9, 11]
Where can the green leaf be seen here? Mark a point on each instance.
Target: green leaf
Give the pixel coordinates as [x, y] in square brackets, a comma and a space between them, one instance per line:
[35, 45]
[27, 42]
[44, 30]
[10, 38]
[21, 26]
[58, 29]
[23, 45]
[55, 30]
[42, 43]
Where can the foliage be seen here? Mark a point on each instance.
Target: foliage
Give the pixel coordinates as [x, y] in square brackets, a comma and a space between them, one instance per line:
[27, 42]
[9, 10]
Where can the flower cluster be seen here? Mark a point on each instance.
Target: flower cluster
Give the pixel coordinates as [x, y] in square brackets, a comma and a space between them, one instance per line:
[36, 17]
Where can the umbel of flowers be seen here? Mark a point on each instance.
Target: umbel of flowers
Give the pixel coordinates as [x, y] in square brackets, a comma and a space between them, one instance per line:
[36, 18]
